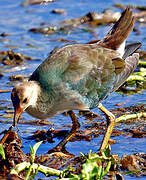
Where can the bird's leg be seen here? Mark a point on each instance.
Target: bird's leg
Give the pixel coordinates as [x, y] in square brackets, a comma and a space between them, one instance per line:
[74, 129]
[110, 126]
[72, 133]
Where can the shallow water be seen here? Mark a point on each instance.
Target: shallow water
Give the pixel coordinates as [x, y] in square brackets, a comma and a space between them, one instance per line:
[17, 20]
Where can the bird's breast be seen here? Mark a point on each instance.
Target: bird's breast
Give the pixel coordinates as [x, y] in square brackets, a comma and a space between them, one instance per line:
[38, 112]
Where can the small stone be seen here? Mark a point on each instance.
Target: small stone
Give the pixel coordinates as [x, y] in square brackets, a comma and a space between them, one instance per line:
[58, 11]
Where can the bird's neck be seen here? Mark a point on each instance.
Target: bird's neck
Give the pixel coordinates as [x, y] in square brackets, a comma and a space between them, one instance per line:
[35, 92]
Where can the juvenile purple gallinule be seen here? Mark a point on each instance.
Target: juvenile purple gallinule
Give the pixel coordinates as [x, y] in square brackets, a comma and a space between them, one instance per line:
[79, 77]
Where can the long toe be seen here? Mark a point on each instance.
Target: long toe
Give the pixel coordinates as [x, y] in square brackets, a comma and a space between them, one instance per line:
[60, 151]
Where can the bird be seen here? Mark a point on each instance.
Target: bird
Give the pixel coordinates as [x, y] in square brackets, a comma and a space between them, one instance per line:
[79, 77]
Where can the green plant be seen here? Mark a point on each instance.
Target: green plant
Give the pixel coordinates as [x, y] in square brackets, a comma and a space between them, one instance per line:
[2, 152]
[33, 153]
[95, 167]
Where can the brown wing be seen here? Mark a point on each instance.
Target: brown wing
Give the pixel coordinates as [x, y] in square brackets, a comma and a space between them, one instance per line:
[130, 65]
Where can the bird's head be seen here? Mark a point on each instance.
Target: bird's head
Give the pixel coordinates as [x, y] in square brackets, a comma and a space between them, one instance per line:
[23, 95]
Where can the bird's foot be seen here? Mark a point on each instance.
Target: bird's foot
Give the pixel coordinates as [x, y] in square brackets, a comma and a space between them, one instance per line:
[60, 151]
[55, 149]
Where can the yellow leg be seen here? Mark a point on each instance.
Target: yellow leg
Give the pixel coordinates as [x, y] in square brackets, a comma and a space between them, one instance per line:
[110, 126]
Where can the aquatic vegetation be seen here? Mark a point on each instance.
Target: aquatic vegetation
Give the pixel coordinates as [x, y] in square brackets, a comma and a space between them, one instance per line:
[29, 37]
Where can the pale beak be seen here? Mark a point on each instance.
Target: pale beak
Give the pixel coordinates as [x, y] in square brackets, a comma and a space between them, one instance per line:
[18, 111]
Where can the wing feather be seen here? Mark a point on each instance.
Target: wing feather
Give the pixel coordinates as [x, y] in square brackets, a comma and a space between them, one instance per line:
[130, 65]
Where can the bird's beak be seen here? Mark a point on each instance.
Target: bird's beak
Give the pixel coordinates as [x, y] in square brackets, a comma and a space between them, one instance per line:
[18, 111]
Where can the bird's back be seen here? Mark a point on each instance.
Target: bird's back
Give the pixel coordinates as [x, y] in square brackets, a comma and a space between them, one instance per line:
[80, 74]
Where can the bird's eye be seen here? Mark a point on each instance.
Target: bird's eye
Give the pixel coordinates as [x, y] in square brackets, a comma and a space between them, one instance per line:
[25, 100]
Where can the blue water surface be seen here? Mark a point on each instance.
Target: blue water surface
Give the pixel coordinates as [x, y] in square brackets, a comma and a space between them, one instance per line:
[16, 20]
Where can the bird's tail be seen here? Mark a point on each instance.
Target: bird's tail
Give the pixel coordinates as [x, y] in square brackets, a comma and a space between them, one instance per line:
[130, 49]
[119, 32]
[130, 66]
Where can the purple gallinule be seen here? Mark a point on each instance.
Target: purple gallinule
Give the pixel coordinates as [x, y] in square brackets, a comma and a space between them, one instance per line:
[79, 77]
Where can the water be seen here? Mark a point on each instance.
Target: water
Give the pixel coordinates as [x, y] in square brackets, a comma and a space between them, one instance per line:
[16, 20]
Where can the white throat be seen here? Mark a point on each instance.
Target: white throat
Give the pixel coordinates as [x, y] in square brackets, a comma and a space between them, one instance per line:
[34, 89]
